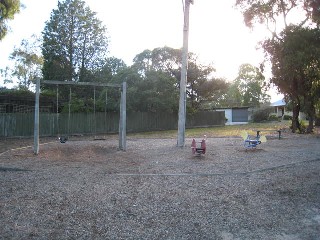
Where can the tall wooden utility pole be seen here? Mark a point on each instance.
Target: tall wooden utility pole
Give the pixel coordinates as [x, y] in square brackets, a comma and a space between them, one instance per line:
[183, 80]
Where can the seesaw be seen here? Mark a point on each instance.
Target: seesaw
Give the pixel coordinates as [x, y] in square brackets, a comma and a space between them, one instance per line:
[252, 142]
[199, 147]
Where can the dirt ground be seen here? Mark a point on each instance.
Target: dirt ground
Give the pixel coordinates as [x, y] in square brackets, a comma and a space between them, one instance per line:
[86, 189]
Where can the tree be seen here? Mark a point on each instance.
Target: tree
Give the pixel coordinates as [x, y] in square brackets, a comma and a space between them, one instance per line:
[8, 8]
[274, 13]
[270, 13]
[232, 97]
[5, 73]
[156, 93]
[213, 93]
[251, 85]
[296, 69]
[200, 84]
[164, 59]
[74, 43]
[28, 62]
[112, 66]
[312, 7]
[198, 87]
[248, 89]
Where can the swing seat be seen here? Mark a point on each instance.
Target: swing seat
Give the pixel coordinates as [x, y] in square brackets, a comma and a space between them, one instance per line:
[63, 139]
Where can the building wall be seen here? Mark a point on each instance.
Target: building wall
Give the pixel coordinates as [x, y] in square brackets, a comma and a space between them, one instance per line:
[228, 116]
[280, 111]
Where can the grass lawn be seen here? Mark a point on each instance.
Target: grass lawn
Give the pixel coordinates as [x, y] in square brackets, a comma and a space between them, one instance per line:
[223, 131]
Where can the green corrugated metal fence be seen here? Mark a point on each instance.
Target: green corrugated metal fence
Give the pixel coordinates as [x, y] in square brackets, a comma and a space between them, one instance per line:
[22, 124]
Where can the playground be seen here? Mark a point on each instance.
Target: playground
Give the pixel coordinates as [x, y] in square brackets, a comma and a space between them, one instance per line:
[86, 189]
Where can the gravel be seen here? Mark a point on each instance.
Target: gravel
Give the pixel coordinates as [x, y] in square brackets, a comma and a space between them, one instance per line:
[154, 190]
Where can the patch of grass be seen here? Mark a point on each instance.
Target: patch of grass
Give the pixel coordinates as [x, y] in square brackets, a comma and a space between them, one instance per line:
[223, 131]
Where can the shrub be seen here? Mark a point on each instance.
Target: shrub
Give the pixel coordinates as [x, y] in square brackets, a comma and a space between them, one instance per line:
[273, 118]
[287, 117]
[302, 128]
[261, 114]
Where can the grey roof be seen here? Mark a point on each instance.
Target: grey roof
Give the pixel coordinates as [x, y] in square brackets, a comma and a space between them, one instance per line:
[280, 102]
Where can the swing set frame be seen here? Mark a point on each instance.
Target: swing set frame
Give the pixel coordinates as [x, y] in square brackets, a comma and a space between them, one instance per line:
[122, 121]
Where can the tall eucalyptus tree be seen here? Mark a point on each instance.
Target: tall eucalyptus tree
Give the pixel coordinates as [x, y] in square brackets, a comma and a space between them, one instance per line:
[8, 8]
[287, 45]
[74, 42]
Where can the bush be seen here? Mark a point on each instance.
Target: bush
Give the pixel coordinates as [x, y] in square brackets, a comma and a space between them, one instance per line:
[287, 117]
[302, 128]
[261, 114]
[273, 118]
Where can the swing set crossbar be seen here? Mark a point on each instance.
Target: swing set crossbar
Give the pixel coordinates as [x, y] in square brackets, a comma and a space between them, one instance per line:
[55, 82]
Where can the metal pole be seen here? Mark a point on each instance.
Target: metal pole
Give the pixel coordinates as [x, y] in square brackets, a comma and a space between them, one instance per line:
[57, 112]
[183, 80]
[123, 119]
[69, 111]
[36, 119]
[94, 111]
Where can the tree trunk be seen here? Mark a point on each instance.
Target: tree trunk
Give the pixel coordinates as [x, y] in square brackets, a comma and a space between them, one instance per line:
[82, 69]
[295, 116]
[311, 115]
[71, 50]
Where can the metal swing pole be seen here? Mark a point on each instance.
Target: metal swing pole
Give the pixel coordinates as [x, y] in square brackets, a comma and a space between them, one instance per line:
[69, 114]
[57, 111]
[36, 119]
[123, 119]
[105, 109]
[94, 111]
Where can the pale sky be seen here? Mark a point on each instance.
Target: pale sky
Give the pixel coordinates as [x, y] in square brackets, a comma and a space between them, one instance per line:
[217, 33]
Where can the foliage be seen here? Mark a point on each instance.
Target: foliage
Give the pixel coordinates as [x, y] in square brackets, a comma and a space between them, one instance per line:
[252, 88]
[28, 62]
[261, 115]
[6, 74]
[302, 126]
[154, 92]
[271, 12]
[201, 87]
[312, 8]
[111, 67]
[21, 93]
[74, 43]
[248, 89]
[287, 117]
[273, 118]
[295, 59]
[232, 97]
[215, 93]
[291, 58]
[8, 8]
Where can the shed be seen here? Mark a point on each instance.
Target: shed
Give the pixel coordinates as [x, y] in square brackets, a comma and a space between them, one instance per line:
[235, 115]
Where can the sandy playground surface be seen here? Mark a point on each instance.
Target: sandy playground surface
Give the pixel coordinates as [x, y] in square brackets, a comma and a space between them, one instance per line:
[154, 190]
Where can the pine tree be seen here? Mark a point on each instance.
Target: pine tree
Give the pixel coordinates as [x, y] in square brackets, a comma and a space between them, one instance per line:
[74, 43]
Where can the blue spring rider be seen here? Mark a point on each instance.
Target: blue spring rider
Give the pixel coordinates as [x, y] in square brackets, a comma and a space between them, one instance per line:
[250, 143]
